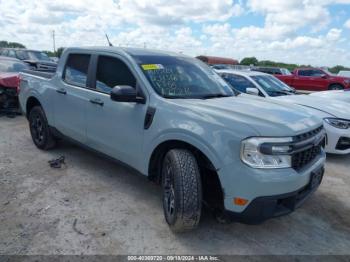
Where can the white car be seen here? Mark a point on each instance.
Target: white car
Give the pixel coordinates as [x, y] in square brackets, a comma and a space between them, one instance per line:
[335, 113]
[344, 73]
[342, 95]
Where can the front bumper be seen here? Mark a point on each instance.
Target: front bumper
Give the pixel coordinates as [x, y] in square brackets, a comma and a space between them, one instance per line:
[263, 208]
[239, 180]
[334, 138]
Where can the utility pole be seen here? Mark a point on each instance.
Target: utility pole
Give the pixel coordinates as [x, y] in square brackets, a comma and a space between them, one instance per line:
[54, 41]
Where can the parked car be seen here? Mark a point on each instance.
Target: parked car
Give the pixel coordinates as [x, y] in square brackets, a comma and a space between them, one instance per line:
[314, 79]
[176, 121]
[36, 59]
[344, 73]
[9, 83]
[272, 70]
[342, 95]
[335, 114]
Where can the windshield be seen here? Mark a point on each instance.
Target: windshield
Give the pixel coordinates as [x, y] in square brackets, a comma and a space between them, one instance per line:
[32, 55]
[180, 77]
[273, 86]
[285, 72]
[39, 56]
[12, 66]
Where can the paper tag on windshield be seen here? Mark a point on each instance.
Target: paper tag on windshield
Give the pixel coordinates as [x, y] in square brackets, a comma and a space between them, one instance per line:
[152, 67]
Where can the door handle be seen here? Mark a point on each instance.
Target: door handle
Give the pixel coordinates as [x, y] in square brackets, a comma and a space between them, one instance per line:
[61, 91]
[97, 101]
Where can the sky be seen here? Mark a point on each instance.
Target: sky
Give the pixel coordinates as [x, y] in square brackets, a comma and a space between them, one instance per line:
[315, 32]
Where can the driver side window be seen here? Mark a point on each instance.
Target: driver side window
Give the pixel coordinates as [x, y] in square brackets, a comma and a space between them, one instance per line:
[112, 72]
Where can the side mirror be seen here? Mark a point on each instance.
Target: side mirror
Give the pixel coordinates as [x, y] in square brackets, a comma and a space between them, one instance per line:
[252, 91]
[126, 94]
[324, 76]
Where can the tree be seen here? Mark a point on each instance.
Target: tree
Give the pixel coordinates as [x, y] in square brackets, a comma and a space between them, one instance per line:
[5, 44]
[249, 61]
[336, 69]
[59, 51]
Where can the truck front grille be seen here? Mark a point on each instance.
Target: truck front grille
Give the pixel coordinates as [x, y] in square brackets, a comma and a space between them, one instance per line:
[301, 158]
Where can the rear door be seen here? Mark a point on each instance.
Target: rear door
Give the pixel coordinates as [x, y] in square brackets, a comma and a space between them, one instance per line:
[115, 128]
[70, 97]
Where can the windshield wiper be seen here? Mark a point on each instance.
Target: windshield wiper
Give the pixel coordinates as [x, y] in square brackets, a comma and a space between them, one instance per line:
[214, 96]
[278, 92]
[176, 97]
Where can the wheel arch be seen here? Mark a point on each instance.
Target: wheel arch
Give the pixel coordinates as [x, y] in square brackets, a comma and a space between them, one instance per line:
[212, 190]
[32, 101]
[335, 84]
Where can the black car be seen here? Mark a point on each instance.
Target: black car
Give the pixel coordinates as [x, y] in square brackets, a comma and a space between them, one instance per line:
[36, 59]
[272, 70]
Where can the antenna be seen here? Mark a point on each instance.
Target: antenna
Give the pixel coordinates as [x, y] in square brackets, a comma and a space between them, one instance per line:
[109, 42]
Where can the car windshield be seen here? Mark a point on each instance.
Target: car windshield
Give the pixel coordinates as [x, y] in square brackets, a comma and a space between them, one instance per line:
[32, 55]
[12, 66]
[39, 56]
[273, 86]
[286, 72]
[180, 77]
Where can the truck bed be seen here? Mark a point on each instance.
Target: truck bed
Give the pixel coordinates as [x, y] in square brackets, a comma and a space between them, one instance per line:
[47, 75]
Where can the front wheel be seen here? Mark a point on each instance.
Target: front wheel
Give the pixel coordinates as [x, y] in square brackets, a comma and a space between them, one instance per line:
[39, 129]
[182, 190]
[336, 87]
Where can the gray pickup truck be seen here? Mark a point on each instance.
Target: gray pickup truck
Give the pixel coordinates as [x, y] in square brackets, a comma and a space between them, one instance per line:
[173, 119]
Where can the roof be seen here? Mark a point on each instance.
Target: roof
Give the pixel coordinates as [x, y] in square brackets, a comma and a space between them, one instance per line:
[19, 49]
[10, 59]
[129, 50]
[217, 60]
[240, 72]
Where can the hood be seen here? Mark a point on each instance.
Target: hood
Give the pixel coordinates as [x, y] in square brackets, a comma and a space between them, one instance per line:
[332, 107]
[338, 78]
[342, 95]
[10, 80]
[266, 117]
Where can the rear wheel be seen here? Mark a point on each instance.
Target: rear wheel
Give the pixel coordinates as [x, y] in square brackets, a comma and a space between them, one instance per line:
[182, 190]
[336, 87]
[39, 129]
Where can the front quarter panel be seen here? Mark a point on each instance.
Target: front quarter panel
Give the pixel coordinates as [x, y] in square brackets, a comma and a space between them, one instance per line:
[219, 142]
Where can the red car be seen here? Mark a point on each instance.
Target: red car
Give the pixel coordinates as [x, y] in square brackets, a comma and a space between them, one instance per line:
[9, 84]
[314, 79]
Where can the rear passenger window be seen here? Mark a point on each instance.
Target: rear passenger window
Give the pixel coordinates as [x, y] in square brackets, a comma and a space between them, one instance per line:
[76, 69]
[112, 72]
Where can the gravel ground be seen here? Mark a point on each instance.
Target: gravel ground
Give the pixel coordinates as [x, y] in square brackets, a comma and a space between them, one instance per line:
[95, 206]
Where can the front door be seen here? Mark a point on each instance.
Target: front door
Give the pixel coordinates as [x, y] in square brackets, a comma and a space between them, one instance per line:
[115, 128]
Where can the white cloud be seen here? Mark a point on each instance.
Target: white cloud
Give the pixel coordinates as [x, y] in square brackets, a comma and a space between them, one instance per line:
[347, 24]
[293, 31]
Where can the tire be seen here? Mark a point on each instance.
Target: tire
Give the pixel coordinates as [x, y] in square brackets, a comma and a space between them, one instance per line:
[336, 87]
[39, 129]
[182, 190]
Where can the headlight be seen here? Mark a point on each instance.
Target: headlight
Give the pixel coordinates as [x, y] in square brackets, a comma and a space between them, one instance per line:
[347, 81]
[338, 123]
[260, 152]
